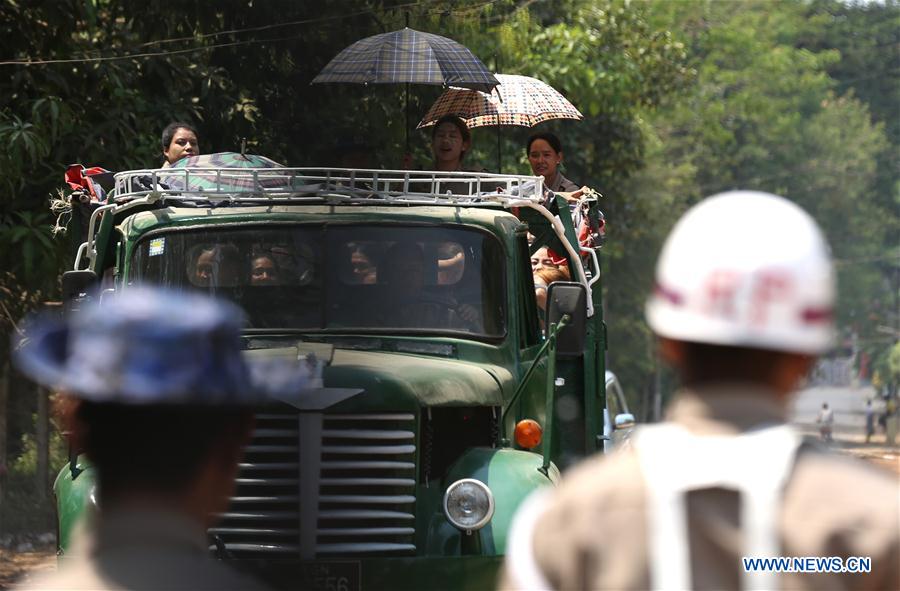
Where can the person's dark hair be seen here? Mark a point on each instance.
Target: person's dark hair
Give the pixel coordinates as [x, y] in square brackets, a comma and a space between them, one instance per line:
[156, 448]
[548, 137]
[169, 132]
[459, 123]
[708, 364]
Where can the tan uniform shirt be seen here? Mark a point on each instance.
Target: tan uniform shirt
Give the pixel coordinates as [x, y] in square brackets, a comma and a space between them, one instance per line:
[592, 532]
[142, 550]
[561, 184]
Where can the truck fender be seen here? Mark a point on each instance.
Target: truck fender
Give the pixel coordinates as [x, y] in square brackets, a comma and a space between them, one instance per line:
[511, 475]
[76, 497]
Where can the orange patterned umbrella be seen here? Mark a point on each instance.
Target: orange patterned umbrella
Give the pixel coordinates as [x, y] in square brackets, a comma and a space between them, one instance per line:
[519, 100]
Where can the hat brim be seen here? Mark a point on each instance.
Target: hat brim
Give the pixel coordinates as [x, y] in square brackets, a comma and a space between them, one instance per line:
[42, 353]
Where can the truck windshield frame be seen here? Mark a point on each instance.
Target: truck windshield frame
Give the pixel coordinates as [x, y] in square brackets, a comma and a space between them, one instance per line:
[341, 278]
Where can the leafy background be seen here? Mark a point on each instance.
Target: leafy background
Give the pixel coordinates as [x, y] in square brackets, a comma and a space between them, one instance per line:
[682, 100]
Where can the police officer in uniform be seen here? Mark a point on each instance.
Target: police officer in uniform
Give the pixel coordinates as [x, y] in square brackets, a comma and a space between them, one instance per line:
[160, 401]
[742, 305]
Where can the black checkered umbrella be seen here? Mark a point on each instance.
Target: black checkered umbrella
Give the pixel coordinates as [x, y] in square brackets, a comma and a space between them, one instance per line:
[411, 57]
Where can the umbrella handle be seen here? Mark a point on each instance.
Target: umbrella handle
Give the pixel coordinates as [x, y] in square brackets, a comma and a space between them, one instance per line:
[406, 126]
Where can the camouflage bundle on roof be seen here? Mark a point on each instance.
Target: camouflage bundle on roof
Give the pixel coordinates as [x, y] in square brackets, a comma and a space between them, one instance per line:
[247, 172]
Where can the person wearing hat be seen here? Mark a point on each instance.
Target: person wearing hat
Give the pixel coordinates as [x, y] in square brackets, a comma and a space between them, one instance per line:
[742, 305]
[160, 401]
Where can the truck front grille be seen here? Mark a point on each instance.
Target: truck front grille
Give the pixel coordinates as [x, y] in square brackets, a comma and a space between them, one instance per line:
[368, 485]
[324, 485]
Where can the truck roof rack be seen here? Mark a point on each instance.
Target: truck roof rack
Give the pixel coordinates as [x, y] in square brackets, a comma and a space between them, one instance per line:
[236, 185]
[226, 186]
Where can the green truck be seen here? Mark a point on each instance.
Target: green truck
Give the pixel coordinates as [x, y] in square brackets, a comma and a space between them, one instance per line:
[412, 292]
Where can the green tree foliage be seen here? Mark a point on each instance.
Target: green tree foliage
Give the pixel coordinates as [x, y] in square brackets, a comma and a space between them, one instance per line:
[256, 85]
[682, 99]
[867, 35]
[767, 113]
[894, 363]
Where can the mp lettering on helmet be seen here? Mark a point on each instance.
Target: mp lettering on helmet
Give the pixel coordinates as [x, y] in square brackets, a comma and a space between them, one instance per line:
[724, 290]
[771, 287]
[721, 290]
[719, 281]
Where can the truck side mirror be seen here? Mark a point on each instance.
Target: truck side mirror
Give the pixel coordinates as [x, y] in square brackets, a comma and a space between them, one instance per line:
[568, 298]
[624, 421]
[76, 283]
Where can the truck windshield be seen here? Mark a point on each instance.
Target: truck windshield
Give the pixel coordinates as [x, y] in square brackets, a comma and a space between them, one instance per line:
[339, 278]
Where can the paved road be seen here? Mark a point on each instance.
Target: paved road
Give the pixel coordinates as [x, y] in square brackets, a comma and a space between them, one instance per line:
[849, 422]
[848, 405]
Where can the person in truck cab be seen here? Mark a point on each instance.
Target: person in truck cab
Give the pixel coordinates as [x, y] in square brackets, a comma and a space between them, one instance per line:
[363, 270]
[451, 263]
[403, 266]
[410, 304]
[542, 259]
[179, 140]
[217, 265]
[264, 270]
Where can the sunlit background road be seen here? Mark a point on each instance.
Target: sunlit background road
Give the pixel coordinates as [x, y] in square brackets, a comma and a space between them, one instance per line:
[848, 404]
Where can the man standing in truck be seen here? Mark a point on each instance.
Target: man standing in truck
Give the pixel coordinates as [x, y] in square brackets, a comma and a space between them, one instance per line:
[724, 492]
[161, 405]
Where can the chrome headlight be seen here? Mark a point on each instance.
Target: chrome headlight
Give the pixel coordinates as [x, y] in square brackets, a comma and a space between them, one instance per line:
[468, 504]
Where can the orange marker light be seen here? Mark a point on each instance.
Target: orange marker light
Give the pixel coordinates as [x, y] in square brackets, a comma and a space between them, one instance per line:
[528, 433]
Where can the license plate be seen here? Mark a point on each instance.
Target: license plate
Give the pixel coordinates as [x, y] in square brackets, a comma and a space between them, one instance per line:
[331, 576]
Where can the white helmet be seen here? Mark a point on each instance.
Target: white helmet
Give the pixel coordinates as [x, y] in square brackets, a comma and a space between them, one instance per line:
[745, 269]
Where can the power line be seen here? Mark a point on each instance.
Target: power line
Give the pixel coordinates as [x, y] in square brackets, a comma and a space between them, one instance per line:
[275, 25]
[114, 58]
[144, 55]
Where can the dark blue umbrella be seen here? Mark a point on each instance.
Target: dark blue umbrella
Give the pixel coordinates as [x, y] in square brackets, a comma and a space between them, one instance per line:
[411, 57]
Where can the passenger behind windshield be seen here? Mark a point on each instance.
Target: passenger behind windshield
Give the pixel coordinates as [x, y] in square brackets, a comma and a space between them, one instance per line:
[404, 273]
[367, 278]
[264, 271]
[414, 307]
[451, 263]
[217, 266]
[362, 264]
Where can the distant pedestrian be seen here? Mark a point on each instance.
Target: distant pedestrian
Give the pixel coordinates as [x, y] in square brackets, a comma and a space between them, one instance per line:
[870, 420]
[725, 477]
[825, 421]
[161, 405]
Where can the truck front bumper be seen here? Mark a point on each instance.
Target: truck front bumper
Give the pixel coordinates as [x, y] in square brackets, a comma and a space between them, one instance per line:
[370, 574]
